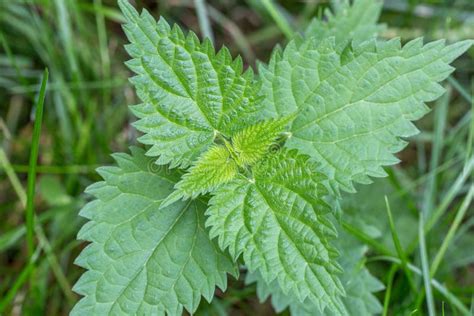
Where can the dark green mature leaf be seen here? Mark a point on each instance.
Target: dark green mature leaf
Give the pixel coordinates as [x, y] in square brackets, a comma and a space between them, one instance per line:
[357, 280]
[355, 107]
[278, 222]
[189, 93]
[142, 259]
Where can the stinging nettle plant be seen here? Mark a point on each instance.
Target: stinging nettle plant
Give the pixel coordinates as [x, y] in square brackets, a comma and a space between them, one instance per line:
[247, 170]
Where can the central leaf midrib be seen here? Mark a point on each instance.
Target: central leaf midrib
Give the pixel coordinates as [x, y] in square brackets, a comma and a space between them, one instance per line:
[351, 103]
[179, 78]
[165, 235]
[309, 262]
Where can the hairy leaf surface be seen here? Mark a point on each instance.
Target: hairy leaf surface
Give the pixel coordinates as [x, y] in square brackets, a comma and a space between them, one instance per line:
[142, 259]
[189, 92]
[344, 101]
[279, 222]
[357, 280]
[349, 23]
[252, 143]
[355, 107]
[214, 168]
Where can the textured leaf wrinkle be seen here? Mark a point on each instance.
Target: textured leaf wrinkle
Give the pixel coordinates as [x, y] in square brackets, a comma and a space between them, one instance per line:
[250, 168]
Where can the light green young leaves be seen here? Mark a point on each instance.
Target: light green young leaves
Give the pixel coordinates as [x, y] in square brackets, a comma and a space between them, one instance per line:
[252, 143]
[214, 168]
[144, 260]
[220, 164]
[279, 223]
[189, 92]
[355, 107]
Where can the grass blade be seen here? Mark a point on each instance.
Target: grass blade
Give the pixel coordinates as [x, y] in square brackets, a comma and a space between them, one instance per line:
[71, 169]
[278, 18]
[424, 266]
[470, 138]
[462, 91]
[30, 193]
[203, 18]
[22, 277]
[15, 182]
[451, 194]
[452, 231]
[43, 240]
[441, 113]
[362, 236]
[239, 37]
[398, 246]
[450, 297]
[388, 292]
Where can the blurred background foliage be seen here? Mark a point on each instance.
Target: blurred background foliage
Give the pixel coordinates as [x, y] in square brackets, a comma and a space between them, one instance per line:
[86, 118]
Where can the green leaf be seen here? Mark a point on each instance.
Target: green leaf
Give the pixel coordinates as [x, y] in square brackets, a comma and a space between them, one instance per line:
[252, 143]
[189, 93]
[279, 223]
[142, 259]
[354, 107]
[357, 280]
[350, 23]
[214, 168]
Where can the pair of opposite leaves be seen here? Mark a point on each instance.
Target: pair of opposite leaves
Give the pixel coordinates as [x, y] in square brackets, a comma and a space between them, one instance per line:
[353, 102]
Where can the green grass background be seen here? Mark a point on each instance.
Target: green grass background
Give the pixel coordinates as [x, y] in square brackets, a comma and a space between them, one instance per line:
[85, 118]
